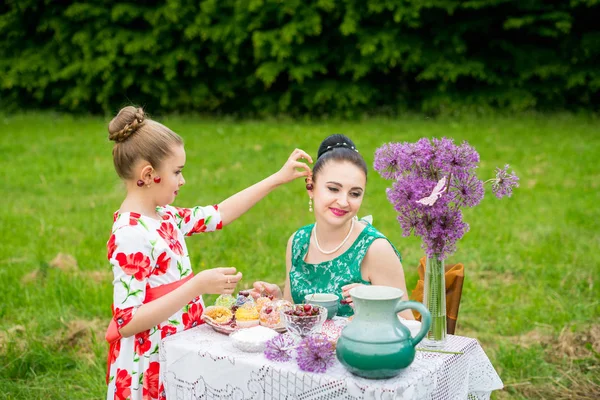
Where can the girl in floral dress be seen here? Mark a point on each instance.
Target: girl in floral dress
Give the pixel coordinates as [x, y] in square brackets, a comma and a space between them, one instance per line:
[156, 294]
[337, 252]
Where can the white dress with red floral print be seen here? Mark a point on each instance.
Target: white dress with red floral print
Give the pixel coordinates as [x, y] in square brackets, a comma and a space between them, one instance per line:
[146, 253]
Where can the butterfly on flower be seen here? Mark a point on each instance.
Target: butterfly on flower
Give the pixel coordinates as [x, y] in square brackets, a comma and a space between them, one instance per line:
[437, 192]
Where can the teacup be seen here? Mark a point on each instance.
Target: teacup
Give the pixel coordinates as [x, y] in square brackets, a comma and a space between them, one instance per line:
[328, 300]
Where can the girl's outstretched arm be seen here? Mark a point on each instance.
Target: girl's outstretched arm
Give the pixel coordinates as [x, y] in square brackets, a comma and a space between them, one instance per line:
[236, 205]
[210, 281]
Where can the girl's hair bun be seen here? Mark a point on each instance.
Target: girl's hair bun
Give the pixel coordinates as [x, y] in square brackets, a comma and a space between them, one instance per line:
[126, 123]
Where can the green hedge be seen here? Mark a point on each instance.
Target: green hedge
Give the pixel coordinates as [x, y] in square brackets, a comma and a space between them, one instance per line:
[269, 57]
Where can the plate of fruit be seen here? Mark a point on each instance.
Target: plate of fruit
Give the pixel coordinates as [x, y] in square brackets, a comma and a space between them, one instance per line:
[230, 313]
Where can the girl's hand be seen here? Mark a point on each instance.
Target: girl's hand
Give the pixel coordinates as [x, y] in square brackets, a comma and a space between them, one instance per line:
[265, 289]
[218, 280]
[346, 299]
[293, 168]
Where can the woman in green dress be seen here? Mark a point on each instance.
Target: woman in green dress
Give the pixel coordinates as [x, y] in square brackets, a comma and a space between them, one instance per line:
[337, 252]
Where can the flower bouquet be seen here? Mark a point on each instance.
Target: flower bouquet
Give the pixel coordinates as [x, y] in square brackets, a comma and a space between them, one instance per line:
[433, 180]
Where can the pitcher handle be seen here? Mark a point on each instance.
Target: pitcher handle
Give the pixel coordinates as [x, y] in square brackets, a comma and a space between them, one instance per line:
[425, 317]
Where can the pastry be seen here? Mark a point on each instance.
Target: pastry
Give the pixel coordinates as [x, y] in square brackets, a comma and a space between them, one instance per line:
[218, 314]
[261, 302]
[243, 298]
[225, 300]
[270, 315]
[246, 316]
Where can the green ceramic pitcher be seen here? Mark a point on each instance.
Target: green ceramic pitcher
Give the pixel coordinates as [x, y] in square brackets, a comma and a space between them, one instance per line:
[375, 344]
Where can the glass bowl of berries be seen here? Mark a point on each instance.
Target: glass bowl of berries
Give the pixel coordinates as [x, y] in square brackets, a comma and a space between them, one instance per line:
[304, 319]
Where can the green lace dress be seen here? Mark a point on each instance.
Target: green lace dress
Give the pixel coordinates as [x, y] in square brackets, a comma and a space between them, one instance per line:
[329, 276]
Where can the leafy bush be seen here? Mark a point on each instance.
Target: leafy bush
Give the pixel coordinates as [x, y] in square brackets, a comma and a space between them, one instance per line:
[269, 57]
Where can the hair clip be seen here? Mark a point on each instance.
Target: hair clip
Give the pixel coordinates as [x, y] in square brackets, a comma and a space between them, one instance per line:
[340, 144]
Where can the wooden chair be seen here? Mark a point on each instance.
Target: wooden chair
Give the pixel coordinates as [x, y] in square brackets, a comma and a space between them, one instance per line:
[454, 283]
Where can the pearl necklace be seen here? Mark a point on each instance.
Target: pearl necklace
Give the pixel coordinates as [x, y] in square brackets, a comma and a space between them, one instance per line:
[341, 244]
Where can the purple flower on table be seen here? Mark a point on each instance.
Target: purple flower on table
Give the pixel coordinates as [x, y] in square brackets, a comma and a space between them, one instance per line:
[315, 354]
[279, 348]
[504, 182]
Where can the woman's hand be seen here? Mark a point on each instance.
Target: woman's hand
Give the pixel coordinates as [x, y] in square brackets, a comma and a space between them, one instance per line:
[346, 299]
[218, 280]
[293, 168]
[261, 288]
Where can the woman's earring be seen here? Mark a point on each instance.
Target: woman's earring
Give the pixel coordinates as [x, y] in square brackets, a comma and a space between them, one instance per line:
[140, 183]
[157, 179]
[309, 185]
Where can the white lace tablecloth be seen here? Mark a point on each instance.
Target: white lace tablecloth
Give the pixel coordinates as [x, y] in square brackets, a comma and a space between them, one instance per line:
[202, 364]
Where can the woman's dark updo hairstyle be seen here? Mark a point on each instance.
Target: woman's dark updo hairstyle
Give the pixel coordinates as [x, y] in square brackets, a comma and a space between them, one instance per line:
[338, 147]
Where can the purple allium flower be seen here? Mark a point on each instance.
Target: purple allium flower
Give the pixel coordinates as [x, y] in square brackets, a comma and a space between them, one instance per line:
[467, 158]
[279, 348]
[424, 154]
[315, 354]
[454, 159]
[409, 222]
[407, 190]
[445, 150]
[468, 190]
[443, 232]
[387, 161]
[503, 184]
[416, 168]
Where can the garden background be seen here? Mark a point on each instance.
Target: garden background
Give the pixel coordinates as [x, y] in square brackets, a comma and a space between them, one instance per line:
[245, 82]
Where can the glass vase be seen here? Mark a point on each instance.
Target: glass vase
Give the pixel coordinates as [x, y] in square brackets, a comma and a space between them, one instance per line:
[434, 298]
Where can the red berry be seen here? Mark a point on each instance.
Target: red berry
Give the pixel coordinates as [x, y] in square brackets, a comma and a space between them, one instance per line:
[270, 297]
[268, 310]
[307, 307]
[298, 313]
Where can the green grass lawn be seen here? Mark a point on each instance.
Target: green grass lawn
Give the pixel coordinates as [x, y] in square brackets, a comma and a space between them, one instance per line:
[532, 264]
